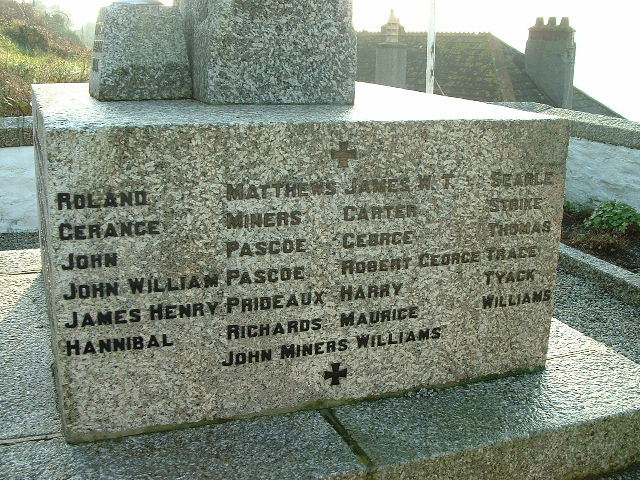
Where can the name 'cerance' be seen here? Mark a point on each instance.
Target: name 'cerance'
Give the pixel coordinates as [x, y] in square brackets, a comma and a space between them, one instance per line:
[66, 231]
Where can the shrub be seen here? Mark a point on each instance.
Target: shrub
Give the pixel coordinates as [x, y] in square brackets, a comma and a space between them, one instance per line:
[613, 216]
[577, 210]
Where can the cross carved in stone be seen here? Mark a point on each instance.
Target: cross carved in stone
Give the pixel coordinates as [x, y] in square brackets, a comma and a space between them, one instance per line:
[343, 155]
[335, 374]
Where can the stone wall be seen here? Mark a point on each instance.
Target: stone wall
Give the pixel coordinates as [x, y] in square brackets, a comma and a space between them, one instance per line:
[597, 172]
[598, 128]
[18, 212]
[604, 156]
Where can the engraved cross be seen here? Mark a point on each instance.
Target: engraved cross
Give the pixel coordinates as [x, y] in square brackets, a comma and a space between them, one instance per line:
[344, 155]
[335, 374]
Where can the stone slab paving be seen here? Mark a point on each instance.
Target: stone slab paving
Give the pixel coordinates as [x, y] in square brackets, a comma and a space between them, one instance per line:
[295, 446]
[13, 262]
[27, 397]
[544, 425]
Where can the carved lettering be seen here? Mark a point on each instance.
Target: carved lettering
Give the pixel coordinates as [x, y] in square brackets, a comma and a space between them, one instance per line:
[518, 228]
[514, 299]
[80, 201]
[521, 179]
[87, 261]
[259, 220]
[274, 247]
[113, 345]
[66, 231]
[376, 239]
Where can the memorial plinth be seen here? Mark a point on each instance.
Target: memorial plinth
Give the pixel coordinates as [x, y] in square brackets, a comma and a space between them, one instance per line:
[207, 262]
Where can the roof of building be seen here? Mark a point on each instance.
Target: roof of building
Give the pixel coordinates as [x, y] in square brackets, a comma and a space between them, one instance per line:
[475, 66]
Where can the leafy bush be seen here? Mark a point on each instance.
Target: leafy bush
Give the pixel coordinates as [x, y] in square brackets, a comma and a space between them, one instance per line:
[59, 23]
[577, 210]
[613, 216]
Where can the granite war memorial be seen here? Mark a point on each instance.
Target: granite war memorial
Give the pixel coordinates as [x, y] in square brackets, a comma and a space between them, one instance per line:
[286, 238]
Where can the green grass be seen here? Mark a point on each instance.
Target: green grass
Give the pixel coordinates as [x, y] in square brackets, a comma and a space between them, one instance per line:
[20, 67]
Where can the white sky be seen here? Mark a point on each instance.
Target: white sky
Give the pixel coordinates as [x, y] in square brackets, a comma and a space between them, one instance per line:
[606, 65]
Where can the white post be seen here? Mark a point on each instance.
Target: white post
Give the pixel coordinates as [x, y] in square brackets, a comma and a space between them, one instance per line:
[431, 45]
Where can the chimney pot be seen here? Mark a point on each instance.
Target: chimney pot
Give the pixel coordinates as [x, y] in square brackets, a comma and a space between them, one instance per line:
[539, 22]
[550, 60]
[391, 56]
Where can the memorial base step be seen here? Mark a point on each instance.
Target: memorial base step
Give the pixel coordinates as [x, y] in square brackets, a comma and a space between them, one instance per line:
[580, 416]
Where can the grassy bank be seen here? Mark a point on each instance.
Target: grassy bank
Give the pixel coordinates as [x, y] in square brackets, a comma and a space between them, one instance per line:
[35, 48]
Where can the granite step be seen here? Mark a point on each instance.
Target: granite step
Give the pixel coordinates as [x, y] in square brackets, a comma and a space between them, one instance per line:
[578, 417]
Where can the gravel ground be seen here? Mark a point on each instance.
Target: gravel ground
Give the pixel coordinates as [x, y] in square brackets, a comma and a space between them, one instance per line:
[19, 241]
[580, 303]
[585, 306]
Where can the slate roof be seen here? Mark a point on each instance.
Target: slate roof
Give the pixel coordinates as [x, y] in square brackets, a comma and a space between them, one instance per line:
[475, 66]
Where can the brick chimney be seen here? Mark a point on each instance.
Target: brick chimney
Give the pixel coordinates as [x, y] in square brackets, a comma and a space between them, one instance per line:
[391, 56]
[550, 57]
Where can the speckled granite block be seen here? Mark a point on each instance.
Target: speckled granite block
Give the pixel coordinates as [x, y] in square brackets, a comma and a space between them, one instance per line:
[208, 262]
[140, 53]
[267, 51]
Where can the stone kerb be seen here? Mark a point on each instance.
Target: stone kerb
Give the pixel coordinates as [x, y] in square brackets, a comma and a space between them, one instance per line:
[618, 282]
[16, 132]
[589, 126]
